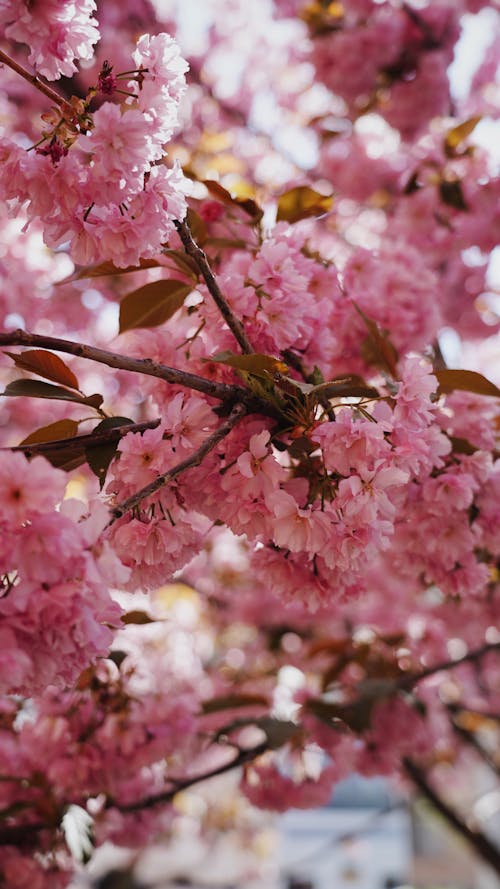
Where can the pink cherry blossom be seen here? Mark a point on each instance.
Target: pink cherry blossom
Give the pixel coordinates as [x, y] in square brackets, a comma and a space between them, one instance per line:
[57, 33]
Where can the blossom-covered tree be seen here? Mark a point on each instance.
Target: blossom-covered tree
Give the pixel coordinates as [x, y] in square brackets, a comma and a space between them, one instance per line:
[255, 229]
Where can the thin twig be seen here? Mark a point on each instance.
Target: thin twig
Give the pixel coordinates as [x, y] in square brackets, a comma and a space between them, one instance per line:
[22, 835]
[407, 682]
[195, 459]
[221, 391]
[33, 79]
[470, 738]
[201, 261]
[167, 796]
[479, 842]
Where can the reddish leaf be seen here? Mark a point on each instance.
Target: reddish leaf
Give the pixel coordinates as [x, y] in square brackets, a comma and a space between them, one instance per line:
[233, 243]
[278, 731]
[250, 207]
[378, 348]
[466, 381]
[52, 432]
[197, 226]
[228, 702]
[46, 365]
[137, 617]
[93, 400]
[218, 191]
[64, 459]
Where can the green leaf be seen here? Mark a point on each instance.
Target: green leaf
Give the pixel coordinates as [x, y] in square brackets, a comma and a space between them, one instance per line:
[257, 363]
[466, 381]
[53, 432]
[47, 365]
[153, 304]
[302, 202]
[37, 389]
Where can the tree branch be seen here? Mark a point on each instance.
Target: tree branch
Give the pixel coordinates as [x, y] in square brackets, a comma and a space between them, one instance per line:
[22, 835]
[82, 442]
[201, 261]
[242, 757]
[469, 737]
[222, 391]
[407, 682]
[195, 459]
[479, 842]
[33, 79]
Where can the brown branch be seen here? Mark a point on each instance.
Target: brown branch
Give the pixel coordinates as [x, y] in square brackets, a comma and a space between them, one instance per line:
[479, 842]
[33, 79]
[82, 442]
[22, 835]
[469, 737]
[407, 682]
[242, 757]
[221, 391]
[195, 459]
[201, 261]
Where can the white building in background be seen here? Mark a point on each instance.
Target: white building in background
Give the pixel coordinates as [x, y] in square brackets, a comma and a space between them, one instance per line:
[362, 840]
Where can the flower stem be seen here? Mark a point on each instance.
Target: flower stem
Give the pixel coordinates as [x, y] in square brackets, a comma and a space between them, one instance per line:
[33, 79]
[195, 459]
[234, 324]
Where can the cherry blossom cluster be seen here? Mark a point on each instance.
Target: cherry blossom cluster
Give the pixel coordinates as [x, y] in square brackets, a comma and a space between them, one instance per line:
[57, 613]
[57, 33]
[100, 183]
[270, 543]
